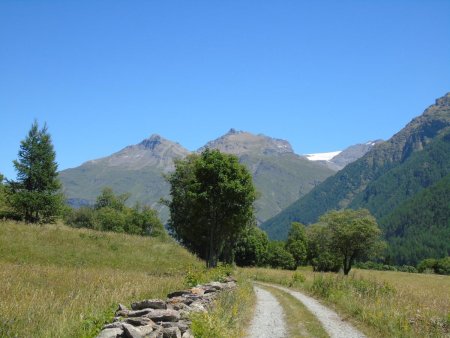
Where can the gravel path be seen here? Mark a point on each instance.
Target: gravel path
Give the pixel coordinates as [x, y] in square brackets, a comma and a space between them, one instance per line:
[330, 320]
[268, 321]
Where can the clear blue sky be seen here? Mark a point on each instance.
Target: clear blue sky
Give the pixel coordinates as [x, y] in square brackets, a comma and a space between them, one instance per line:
[321, 74]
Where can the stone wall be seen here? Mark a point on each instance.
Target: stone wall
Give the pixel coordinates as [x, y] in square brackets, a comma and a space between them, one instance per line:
[157, 318]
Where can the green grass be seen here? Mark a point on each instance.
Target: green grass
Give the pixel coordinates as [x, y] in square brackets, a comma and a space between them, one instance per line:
[300, 322]
[56, 281]
[380, 303]
[229, 317]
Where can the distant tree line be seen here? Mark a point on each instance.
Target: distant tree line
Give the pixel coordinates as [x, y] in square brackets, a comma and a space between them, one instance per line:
[428, 265]
[36, 197]
[336, 242]
[110, 213]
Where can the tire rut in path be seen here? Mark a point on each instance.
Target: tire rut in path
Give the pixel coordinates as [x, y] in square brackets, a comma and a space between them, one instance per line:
[330, 320]
[268, 321]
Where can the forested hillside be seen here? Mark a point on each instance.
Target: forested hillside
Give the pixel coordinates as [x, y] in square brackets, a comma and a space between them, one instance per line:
[393, 171]
[419, 171]
[420, 227]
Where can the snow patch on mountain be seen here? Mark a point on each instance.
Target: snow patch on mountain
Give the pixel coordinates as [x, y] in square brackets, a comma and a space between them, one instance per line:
[322, 156]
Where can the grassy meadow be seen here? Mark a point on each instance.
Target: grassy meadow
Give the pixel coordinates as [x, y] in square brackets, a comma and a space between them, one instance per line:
[380, 303]
[231, 315]
[56, 281]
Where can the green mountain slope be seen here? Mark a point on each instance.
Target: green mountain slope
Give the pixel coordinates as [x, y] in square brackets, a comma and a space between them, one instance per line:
[420, 227]
[281, 179]
[136, 169]
[280, 175]
[419, 171]
[352, 185]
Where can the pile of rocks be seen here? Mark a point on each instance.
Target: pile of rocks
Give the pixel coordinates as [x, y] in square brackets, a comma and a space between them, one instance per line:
[156, 318]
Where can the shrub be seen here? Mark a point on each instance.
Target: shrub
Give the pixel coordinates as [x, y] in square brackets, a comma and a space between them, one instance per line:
[326, 262]
[407, 268]
[296, 279]
[385, 267]
[427, 264]
[195, 276]
[111, 214]
[251, 247]
[278, 257]
[443, 266]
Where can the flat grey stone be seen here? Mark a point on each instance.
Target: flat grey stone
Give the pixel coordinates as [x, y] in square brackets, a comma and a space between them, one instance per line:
[139, 321]
[131, 332]
[110, 333]
[163, 315]
[149, 304]
[138, 313]
[115, 325]
[187, 334]
[171, 332]
[178, 293]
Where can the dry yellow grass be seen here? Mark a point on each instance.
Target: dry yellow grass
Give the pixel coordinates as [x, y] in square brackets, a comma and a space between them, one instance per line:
[57, 281]
[423, 292]
[229, 317]
[384, 303]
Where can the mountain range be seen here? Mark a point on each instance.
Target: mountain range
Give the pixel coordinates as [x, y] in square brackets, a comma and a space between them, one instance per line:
[389, 180]
[337, 160]
[280, 175]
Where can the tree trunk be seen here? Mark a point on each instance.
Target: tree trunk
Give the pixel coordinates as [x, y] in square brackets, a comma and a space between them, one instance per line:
[212, 255]
[348, 261]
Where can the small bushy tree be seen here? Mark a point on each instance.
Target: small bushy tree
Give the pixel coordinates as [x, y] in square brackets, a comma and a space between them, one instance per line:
[439, 266]
[36, 194]
[320, 254]
[279, 257]
[251, 248]
[107, 199]
[296, 243]
[111, 214]
[354, 234]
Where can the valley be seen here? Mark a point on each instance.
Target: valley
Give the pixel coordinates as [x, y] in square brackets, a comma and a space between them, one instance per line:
[224, 169]
[280, 175]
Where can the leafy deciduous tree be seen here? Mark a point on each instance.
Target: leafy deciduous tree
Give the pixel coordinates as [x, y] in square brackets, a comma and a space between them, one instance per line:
[320, 254]
[296, 243]
[111, 214]
[279, 257]
[212, 201]
[354, 235]
[251, 248]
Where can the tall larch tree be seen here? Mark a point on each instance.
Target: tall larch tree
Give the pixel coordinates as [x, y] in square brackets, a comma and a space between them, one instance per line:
[36, 195]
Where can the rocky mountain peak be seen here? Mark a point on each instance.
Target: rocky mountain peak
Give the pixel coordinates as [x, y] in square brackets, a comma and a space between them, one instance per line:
[241, 142]
[153, 141]
[154, 151]
[444, 100]
[233, 131]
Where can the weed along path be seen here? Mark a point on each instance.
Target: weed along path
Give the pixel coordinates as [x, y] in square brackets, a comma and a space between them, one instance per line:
[330, 320]
[268, 321]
